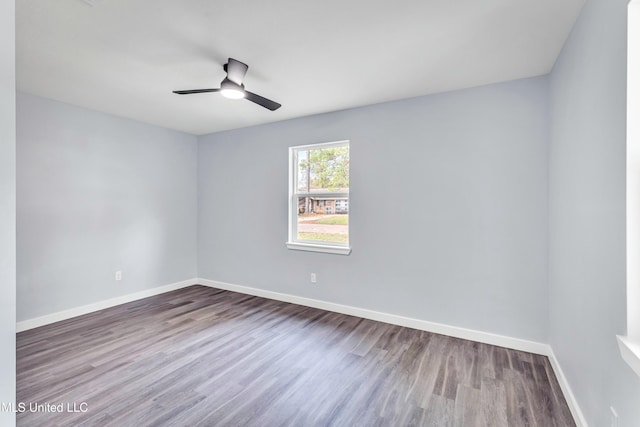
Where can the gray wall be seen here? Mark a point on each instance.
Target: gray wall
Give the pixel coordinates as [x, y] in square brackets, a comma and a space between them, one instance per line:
[96, 194]
[587, 214]
[7, 209]
[448, 209]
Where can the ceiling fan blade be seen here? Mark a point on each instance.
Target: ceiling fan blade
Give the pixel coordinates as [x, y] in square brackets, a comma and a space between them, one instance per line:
[236, 70]
[266, 103]
[187, 92]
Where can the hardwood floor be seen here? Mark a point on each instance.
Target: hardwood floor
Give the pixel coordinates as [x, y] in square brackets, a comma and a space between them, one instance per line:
[205, 357]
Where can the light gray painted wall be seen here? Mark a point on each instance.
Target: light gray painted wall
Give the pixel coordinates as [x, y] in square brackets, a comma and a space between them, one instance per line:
[96, 194]
[448, 208]
[7, 210]
[587, 214]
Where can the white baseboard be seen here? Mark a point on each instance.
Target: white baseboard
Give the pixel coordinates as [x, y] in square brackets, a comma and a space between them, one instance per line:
[394, 319]
[100, 305]
[438, 328]
[578, 416]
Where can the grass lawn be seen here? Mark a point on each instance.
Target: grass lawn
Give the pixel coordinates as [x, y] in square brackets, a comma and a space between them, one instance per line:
[323, 237]
[334, 220]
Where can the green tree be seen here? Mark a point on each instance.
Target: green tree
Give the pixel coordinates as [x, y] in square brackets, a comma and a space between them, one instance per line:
[327, 168]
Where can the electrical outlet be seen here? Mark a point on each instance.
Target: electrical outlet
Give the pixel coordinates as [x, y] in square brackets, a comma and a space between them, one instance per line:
[314, 279]
[118, 275]
[615, 421]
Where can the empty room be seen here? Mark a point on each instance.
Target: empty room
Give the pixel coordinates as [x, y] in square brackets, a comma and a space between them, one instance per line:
[324, 213]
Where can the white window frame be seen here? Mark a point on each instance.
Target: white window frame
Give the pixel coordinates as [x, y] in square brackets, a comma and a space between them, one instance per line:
[308, 245]
[630, 344]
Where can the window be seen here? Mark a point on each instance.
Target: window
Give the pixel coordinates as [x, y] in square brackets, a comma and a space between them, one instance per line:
[319, 198]
[630, 344]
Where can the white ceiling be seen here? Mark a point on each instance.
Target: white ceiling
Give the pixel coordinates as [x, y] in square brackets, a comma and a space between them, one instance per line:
[124, 57]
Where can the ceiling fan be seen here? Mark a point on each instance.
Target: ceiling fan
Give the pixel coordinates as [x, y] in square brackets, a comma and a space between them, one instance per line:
[232, 87]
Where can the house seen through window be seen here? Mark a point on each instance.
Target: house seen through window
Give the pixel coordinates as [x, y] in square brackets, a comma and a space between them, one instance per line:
[319, 197]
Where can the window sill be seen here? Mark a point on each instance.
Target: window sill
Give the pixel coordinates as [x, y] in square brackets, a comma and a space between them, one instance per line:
[630, 351]
[338, 250]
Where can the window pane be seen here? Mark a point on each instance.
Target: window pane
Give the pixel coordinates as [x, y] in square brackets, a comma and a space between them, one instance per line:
[323, 170]
[323, 220]
[302, 175]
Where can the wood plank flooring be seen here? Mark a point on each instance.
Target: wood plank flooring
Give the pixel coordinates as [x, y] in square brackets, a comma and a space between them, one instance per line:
[205, 357]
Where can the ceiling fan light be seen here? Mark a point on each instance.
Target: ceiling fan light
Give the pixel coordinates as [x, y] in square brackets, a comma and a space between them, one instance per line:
[231, 90]
[232, 93]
